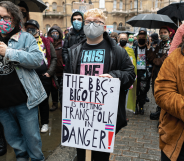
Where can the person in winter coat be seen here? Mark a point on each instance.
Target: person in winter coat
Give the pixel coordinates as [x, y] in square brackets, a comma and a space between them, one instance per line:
[21, 86]
[169, 91]
[76, 35]
[116, 64]
[57, 34]
[47, 69]
[157, 58]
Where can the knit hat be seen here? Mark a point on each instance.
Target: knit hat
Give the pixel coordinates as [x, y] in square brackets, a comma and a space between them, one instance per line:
[23, 4]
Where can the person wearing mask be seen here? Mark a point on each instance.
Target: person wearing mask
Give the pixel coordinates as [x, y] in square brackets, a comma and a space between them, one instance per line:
[131, 100]
[25, 11]
[46, 70]
[154, 40]
[65, 33]
[56, 33]
[157, 58]
[120, 67]
[114, 36]
[76, 35]
[131, 40]
[141, 57]
[148, 64]
[19, 57]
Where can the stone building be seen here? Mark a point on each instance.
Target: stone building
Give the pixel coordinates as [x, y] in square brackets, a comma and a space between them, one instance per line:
[118, 12]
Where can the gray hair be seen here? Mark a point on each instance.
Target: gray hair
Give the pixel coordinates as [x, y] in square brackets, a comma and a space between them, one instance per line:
[15, 12]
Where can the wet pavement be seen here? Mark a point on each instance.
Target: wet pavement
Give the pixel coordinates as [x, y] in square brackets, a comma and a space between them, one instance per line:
[139, 141]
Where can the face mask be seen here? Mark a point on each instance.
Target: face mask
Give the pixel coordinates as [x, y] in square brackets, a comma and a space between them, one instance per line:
[32, 31]
[77, 25]
[5, 27]
[142, 41]
[131, 39]
[55, 37]
[164, 37]
[24, 14]
[123, 42]
[92, 31]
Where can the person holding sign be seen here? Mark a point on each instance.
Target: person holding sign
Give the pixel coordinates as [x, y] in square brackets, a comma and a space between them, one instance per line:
[98, 55]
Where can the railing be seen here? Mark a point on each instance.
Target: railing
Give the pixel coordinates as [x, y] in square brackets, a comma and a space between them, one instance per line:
[58, 12]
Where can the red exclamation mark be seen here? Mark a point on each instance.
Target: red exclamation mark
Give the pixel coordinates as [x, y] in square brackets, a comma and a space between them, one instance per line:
[110, 139]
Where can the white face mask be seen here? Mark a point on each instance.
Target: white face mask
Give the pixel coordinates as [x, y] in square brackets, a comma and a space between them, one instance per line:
[92, 31]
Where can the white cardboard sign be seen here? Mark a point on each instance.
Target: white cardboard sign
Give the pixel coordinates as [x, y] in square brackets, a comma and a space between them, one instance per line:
[89, 112]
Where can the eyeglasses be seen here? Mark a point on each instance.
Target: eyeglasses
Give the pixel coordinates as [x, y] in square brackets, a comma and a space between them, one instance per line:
[95, 23]
[6, 18]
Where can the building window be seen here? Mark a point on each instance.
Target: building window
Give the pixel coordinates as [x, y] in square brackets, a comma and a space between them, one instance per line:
[120, 24]
[114, 4]
[121, 4]
[54, 6]
[135, 3]
[72, 4]
[63, 6]
[156, 3]
[101, 3]
[55, 25]
[131, 5]
[47, 27]
[114, 26]
[47, 4]
[141, 4]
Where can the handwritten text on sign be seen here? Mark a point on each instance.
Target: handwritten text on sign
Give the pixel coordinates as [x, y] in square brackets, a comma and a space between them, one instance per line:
[89, 112]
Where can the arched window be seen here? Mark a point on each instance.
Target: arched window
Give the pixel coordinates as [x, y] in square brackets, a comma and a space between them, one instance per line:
[54, 6]
[114, 4]
[47, 4]
[63, 6]
[114, 26]
[131, 5]
[135, 3]
[101, 3]
[121, 4]
[55, 25]
[120, 24]
[47, 27]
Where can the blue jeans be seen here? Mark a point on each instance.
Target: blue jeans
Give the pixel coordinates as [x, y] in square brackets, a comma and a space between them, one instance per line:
[21, 128]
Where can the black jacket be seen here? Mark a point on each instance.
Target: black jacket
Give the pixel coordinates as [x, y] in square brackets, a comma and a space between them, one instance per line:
[120, 67]
[72, 38]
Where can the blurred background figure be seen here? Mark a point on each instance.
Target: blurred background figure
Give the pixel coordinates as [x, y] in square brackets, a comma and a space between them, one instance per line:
[56, 33]
[25, 11]
[114, 36]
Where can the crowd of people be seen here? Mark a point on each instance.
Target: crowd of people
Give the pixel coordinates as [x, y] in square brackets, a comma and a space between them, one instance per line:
[32, 67]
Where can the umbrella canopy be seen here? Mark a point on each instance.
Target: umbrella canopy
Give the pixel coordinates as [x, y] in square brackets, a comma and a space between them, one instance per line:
[173, 10]
[33, 5]
[151, 21]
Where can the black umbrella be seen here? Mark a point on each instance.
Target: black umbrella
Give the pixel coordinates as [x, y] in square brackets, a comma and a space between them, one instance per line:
[173, 10]
[33, 5]
[154, 21]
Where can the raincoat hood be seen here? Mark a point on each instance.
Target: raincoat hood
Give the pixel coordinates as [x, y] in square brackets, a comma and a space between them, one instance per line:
[58, 29]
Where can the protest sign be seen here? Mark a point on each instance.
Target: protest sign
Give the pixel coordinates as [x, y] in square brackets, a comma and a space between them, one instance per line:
[89, 112]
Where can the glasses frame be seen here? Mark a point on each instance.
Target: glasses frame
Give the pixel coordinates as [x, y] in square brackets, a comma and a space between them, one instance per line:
[4, 19]
[95, 24]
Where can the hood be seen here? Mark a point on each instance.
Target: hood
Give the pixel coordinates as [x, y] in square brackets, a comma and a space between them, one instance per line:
[58, 29]
[82, 19]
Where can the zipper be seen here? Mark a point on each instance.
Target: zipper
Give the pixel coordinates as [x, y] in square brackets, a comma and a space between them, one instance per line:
[176, 145]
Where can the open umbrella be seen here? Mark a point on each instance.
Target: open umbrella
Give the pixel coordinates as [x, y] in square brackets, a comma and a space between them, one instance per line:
[173, 10]
[33, 5]
[154, 21]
